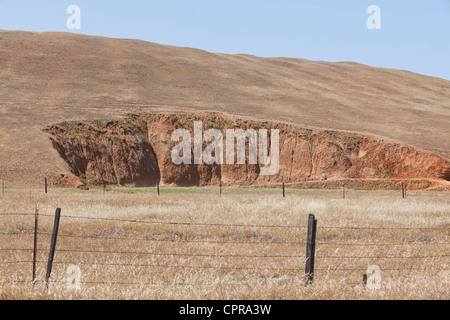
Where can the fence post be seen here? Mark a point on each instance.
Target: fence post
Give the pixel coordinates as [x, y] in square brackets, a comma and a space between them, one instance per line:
[157, 187]
[403, 190]
[45, 184]
[284, 191]
[406, 185]
[310, 249]
[36, 219]
[53, 244]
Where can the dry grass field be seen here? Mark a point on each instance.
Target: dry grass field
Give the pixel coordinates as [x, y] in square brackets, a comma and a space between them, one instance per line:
[245, 244]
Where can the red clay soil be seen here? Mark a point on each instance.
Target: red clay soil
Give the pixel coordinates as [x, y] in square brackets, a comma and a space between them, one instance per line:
[136, 151]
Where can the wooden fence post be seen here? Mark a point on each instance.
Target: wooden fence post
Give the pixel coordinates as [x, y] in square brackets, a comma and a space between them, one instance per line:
[45, 184]
[403, 190]
[53, 244]
[310, 249]
[284, 191]
[36, 219]
[406, 185]
[157, 188]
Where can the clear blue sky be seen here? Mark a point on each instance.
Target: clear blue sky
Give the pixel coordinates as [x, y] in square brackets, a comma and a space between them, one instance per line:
[414, 35]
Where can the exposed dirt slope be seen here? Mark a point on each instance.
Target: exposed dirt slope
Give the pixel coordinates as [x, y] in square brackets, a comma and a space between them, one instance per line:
[137, 151]
[47, 78]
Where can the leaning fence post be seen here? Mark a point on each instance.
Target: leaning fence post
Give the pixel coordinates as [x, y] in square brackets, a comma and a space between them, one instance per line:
[53, 244]
[36, 218]
[310, 249]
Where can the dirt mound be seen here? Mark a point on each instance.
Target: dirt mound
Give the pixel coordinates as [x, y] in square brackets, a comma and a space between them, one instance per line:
[67, 181]
[137, 151]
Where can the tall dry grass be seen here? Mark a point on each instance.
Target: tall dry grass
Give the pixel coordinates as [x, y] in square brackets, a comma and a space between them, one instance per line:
[238, 246]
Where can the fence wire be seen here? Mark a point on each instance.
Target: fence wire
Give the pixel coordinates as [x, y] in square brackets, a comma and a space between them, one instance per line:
[298, 258]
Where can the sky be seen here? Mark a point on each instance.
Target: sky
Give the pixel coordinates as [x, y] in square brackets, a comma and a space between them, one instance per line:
[414, 34]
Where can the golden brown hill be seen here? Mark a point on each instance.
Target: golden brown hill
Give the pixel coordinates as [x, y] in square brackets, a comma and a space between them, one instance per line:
[47, 78]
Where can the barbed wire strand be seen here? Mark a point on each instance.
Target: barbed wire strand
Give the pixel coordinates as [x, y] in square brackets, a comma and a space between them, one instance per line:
[238, 241]
[230, 224]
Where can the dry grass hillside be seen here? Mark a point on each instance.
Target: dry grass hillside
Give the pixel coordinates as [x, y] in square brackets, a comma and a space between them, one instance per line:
[239, 246]
[47, 78]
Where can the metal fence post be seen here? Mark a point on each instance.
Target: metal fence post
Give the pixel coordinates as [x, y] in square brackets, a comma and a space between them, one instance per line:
[53, 244]
[310, 249]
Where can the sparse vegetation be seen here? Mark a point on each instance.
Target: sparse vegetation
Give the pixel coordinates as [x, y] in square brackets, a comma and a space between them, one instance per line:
[131, 126]
[329, 138]
[351, 142]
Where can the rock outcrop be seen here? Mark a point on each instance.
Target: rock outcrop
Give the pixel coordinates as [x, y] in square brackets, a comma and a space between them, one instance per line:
[137, 151]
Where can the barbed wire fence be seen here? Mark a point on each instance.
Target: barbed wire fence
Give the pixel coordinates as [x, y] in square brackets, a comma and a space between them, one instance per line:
[341, 187]
[292, 264]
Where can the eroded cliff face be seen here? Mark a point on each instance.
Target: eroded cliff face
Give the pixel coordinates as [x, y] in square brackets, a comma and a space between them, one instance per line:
[110, 152]
[137, 151]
